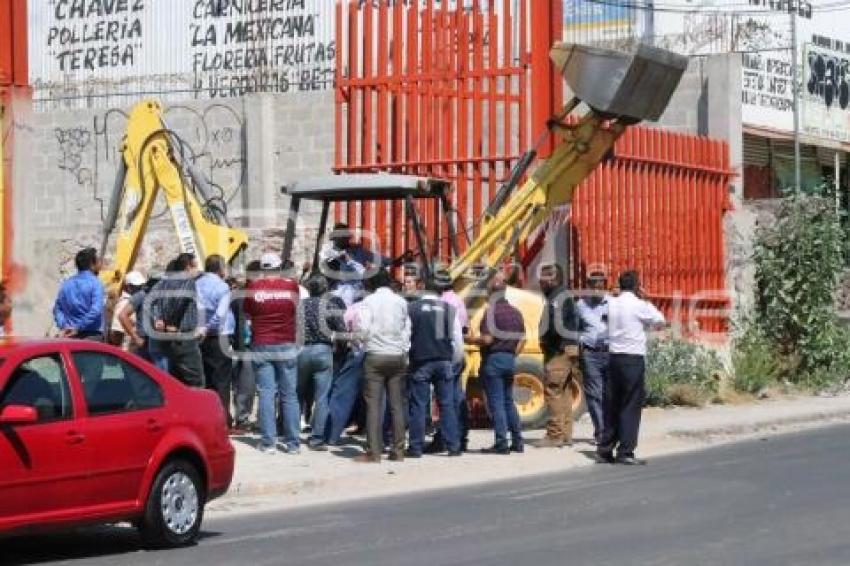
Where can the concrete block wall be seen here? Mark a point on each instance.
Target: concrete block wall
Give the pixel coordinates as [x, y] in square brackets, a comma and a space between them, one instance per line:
[65, 163]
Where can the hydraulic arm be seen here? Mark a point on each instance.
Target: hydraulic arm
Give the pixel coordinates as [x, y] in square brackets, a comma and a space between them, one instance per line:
[639, 87]
[154, 159]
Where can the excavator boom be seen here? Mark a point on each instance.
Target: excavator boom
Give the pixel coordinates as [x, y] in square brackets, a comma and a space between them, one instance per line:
[621, 88]
[154, 159]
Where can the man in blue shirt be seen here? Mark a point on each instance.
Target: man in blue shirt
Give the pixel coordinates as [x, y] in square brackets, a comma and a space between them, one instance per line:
[78, 311]
[593, 312]
[218, 325]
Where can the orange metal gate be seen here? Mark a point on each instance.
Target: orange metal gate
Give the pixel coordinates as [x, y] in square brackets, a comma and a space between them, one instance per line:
[455, 90]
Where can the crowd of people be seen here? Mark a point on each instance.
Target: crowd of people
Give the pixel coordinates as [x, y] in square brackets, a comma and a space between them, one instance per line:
[347, 344]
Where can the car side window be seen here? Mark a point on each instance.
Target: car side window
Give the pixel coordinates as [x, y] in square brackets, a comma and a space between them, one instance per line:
[40, 383]
[112, 385]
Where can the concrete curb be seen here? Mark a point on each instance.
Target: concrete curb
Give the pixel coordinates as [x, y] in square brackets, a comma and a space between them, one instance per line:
[802, 421]
[662, 435]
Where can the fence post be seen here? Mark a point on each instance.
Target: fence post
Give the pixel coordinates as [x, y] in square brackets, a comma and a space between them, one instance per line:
[546, 84]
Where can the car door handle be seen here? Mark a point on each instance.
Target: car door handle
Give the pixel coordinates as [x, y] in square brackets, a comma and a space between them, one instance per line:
[153, 425]
[74, 437]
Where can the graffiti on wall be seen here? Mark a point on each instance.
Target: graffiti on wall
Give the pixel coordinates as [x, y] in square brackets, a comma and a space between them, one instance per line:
[214, 139]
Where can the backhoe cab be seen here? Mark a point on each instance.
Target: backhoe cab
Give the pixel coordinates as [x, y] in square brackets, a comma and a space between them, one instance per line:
[621, 88]
[378, 186]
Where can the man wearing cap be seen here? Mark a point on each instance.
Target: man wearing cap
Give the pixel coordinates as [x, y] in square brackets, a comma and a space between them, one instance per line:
[133, 283]
[558, 335]
[217, 326]
[593, 312]
[271, 302]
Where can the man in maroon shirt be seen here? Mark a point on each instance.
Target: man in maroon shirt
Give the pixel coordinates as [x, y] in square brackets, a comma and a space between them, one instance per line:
[271, 302]
[502, 338]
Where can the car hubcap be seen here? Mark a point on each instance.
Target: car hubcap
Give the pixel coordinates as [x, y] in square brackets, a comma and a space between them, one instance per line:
[179, 503]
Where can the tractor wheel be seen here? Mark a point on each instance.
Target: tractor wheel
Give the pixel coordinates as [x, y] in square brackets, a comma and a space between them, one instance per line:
[529, 397]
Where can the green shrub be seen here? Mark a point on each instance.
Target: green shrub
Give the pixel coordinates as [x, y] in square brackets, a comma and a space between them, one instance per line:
[756, 364]
[798, 259]
[680, 373]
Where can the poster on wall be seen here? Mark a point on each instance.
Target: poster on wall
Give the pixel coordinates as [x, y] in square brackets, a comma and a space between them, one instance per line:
[825, 99]
[591, 20]
[761, 31]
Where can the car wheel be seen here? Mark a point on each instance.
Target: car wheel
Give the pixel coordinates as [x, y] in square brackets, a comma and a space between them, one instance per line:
[175, 506]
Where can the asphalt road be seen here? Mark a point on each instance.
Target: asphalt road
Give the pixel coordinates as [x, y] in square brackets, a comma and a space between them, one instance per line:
[783, 500]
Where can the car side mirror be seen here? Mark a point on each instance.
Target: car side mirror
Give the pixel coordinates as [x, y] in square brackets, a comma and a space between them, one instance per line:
[18, 415]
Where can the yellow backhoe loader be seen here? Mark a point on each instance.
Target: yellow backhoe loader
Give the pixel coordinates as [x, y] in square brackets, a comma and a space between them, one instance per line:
[619, 89]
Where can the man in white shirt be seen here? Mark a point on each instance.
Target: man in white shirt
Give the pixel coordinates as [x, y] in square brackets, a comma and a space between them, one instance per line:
[384, 323]
[628, 319]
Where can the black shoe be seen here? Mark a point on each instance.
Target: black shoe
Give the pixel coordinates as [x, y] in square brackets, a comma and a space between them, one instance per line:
[412, 454]
[518, 448]
[604, 457]
[454, 453]
[496, 450]
[630, 461]
[464, 446]
[435, 448]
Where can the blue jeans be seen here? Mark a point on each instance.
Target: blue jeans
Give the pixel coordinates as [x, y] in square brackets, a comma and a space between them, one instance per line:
[347, 381]
[497, 374]
[594, 369]
[276, 371]
[316, 361]
[156, 355]
[438, 373]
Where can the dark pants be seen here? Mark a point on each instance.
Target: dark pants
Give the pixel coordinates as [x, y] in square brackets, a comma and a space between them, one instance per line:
[93, 336]
[384, 373]
[594, 369]
[245, 389]
[218, 370]
[184, 361]
[497, 374]
[345, 391]
[625, 397]
[438, 373]
[461, 407]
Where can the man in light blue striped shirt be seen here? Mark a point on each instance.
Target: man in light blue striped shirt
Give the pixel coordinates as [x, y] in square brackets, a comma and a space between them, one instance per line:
[218, 325]
[593, 312]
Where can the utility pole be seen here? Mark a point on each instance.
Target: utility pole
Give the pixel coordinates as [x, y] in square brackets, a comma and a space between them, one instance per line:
[796, 91]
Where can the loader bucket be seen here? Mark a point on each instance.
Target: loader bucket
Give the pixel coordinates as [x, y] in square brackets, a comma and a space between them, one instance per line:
[635, 84]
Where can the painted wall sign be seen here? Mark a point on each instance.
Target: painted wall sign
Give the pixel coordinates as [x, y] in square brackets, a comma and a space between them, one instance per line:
[203, 48]
[761, 31]
[825, 104]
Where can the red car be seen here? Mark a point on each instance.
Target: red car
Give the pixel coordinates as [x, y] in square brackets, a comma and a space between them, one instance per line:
[91, 434]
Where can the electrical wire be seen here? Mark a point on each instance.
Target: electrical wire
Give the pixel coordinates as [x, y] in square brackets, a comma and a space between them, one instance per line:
[726, 9]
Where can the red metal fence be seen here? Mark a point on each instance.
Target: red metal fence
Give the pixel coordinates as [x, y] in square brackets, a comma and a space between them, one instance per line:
[428, 89]
[658, 207]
